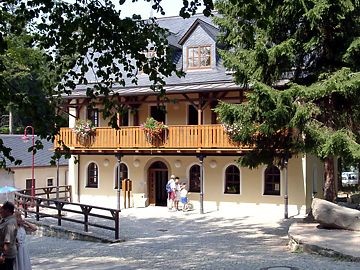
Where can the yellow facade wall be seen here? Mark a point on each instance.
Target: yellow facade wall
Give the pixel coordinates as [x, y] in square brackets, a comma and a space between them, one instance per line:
[41, 174]
[251, 187]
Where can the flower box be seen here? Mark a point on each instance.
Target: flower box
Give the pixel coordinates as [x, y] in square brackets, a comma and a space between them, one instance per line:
[155, 131]
[85, 132]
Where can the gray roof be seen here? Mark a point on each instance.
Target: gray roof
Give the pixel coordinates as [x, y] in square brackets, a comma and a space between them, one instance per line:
[194, 80]
[20, 151]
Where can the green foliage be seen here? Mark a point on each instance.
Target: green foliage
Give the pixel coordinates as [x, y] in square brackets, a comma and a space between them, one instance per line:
[306, 53]
[48, 47]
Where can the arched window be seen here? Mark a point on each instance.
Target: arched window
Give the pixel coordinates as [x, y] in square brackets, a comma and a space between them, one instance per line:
[272, 181]
[194, 177]
[124, 174]
[92, 175]
[232, 180]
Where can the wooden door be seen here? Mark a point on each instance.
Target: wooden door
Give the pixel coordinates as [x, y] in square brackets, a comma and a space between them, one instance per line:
[157, 179]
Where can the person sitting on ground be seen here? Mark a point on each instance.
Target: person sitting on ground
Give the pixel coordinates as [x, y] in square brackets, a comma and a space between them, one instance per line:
[22, 258]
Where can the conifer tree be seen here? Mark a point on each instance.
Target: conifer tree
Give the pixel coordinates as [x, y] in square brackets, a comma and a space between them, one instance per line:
[299, 60]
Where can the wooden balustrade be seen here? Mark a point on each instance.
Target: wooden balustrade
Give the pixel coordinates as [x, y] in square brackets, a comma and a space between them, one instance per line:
[175, 137]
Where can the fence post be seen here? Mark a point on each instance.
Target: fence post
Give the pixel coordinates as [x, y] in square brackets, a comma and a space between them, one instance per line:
[117, 225]
[59, 206]
[38, 201]
[86, 210]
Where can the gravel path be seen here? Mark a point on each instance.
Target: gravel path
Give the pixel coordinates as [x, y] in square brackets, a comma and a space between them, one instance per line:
[156, 238]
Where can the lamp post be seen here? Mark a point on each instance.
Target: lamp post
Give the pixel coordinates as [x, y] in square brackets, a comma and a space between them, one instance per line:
[26, 139]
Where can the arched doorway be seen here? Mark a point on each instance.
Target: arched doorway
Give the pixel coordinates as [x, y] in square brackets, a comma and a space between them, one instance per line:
[157, 179]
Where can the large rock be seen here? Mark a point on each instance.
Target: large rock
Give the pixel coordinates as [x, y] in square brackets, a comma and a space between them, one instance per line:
[331, 215]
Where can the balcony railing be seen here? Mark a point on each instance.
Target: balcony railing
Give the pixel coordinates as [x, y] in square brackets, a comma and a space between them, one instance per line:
[175, 137]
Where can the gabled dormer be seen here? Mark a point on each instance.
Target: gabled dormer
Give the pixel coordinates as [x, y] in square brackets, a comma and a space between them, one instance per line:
[199, 46]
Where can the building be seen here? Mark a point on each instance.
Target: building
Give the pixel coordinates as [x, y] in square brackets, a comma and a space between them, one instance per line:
[45, 175]
[195, 147]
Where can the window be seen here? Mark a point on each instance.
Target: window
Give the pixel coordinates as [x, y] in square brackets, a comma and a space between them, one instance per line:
[28, 183]
[93, 115]
[50, 182]
[272, 181]
[92, 175]
[213, 114]
[232, 180]
[158, 113]
[192, 115]
[199, 57]
[123, 118]
[124, 174]
[194, 176]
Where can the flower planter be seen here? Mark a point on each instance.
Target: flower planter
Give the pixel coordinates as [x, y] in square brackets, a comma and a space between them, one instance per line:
[156, 139]
[155, 131]
[85, 140]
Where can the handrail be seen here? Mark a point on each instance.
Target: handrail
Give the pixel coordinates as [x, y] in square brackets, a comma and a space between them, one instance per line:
[39, 204]
[175, 137]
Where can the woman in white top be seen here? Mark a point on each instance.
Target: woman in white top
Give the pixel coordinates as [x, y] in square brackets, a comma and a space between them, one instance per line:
[22, 261]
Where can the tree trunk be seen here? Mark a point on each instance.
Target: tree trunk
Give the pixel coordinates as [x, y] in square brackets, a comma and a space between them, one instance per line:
[329, 185]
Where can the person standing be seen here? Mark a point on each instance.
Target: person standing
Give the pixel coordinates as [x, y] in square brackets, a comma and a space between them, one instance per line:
[8, 231]
[170, 189]
[22, 258]
[177, 193]
[183, 196]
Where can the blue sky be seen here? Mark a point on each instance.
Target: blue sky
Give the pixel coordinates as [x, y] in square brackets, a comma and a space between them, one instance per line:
[143, 8]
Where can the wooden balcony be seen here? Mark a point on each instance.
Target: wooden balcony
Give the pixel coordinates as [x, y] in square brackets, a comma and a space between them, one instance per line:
[179, 139]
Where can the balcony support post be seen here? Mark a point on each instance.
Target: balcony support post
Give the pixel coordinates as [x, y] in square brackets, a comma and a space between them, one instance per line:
[201, 159]
[119, 173]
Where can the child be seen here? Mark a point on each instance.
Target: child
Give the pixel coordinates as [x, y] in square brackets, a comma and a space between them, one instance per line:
[183, 195]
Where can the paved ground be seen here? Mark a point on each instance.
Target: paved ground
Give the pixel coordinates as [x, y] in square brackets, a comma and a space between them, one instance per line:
[158, 239]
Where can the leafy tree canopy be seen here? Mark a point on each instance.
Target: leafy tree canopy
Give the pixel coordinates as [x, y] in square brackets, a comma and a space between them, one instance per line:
[47, 47]
[301, 61]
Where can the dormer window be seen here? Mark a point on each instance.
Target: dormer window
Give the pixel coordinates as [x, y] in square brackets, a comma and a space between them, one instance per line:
[199, 57]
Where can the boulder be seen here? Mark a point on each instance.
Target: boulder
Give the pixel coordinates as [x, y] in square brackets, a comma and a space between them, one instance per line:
[331, 215]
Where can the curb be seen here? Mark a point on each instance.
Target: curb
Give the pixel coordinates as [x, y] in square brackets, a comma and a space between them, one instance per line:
[296, 244]
[62, 232]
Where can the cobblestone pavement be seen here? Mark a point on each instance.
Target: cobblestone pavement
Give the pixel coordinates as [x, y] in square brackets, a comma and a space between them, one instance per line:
[156, 238]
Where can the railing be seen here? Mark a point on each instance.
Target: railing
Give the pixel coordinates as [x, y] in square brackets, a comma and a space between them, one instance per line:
[177, 137]
[39, 205]
[51, 192]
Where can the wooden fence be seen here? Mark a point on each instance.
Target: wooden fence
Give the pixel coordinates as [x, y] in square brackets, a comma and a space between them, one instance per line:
[44, 205]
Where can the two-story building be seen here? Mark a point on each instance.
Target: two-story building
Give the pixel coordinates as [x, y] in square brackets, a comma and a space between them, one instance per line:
[195, 146]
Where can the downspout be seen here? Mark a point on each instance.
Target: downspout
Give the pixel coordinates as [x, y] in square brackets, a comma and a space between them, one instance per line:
[201, 159]
[78, 177]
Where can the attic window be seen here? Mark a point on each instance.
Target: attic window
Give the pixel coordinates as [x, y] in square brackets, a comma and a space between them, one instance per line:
[199, 57]
[150, 53]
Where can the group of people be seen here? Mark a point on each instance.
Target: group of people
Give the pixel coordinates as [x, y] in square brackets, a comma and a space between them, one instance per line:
[177, 193]
[13, 228]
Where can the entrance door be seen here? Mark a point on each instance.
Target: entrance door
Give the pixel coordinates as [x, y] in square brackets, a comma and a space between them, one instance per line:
[157, 179]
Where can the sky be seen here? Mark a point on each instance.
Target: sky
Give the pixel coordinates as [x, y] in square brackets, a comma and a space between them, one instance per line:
[143, 8]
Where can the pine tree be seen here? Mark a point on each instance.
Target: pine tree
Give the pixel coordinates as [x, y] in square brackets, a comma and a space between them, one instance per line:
[299, 61]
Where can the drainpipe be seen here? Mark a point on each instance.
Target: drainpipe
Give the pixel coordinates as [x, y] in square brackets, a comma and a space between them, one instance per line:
[286, 196]
[201, 159]
[78, 176]
[118, 156]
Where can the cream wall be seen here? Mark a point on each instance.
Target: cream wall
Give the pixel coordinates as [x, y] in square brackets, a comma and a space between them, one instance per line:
[41, 174]
[177, 111]
[251, 182]
[314, 179]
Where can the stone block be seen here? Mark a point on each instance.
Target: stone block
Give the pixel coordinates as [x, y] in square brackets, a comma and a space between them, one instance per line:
[331, 215]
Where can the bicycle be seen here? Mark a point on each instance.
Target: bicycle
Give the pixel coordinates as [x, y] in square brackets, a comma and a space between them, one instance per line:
[188, 206]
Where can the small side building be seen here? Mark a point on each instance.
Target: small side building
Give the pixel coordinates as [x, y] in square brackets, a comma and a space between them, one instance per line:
[45, 174]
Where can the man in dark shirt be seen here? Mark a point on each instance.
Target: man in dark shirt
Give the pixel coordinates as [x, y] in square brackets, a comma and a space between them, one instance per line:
[8, 231]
